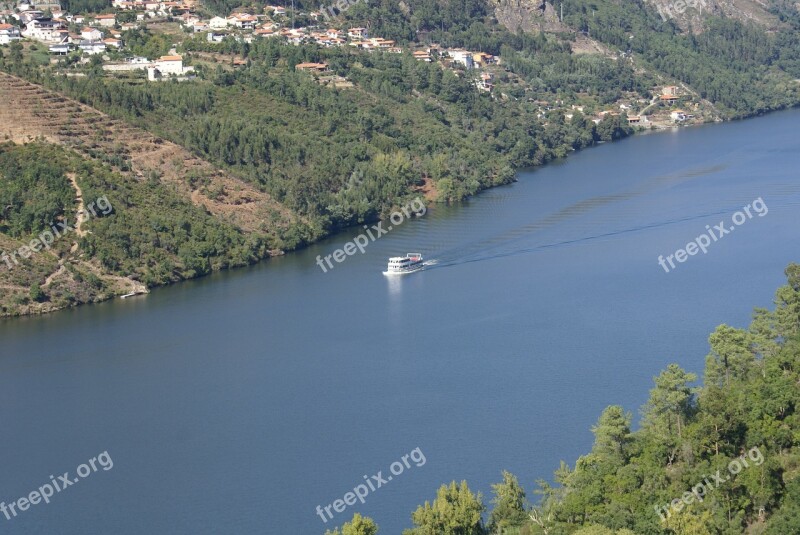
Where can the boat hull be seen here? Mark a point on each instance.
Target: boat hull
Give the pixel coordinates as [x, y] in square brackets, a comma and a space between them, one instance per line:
[405, 271]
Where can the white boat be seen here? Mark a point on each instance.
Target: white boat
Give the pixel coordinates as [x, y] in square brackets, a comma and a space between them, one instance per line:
[399, 265]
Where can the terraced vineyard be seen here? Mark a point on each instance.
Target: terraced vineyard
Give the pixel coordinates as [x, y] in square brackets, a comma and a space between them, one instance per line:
[30, 111]
[155, 184]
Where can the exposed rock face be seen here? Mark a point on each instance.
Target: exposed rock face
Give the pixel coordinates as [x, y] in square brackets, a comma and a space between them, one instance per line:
[532, 15]
[690, 13]
[528, 15]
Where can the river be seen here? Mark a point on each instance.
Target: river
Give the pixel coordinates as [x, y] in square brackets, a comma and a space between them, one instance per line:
[240, 402]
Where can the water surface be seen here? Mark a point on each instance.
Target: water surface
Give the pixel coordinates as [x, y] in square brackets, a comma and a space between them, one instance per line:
[240, 402]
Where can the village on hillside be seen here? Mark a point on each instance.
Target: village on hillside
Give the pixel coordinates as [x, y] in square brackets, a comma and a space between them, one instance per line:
[102, 36]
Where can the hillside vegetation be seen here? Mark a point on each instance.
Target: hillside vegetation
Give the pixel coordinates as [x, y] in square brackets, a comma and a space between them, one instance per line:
[133, 233]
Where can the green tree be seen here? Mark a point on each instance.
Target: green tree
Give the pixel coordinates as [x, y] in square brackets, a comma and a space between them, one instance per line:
[359, 525]
[612, 434]
[455, 511]
[787, 299]
[731, 356]
[670, 401]
[509, 505]
[787, 519]
[36, 292]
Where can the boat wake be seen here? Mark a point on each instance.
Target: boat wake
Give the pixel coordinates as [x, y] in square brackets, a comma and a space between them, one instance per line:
[503, 245]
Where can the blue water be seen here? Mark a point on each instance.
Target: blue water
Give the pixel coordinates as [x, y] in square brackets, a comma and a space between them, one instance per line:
[240, 402]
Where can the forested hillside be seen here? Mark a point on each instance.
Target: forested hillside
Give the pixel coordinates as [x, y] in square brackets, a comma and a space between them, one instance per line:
[340, 157]
[722, 458]
[407, 124]
[132, 234]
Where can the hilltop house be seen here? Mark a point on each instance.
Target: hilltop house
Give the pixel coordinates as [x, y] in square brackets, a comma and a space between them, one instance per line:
[669, 94]
[106, 21]
[463, 57]
[678, 116]
[357, 33]
[91, 34]
[60, 49]
[9, 33]
[421, 55]
[29, 15]
[45, 30]
[218, 23]
[312, 67]
[165, 66]
[92, 47]
[481, 58]
[243, 21]
[486, 82]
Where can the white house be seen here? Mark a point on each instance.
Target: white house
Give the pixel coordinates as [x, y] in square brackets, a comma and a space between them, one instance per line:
[45, 30]
[9, 33]
[91, 34]
[243, 21]
[165, 66]
[218, 23]
[26, 16]
[92, 47]
[357, 33]
[678, 116]
[61, 49]
[215, 37]
[170, 65]
[189, 20]
[463, 57]
[106, 21]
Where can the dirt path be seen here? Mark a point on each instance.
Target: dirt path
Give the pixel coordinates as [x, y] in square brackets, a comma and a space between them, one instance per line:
[82, 216]
[652, 103]
[53, 275]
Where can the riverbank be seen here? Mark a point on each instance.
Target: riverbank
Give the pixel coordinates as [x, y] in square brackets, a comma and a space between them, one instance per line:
[138, 155]
[20, 299]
